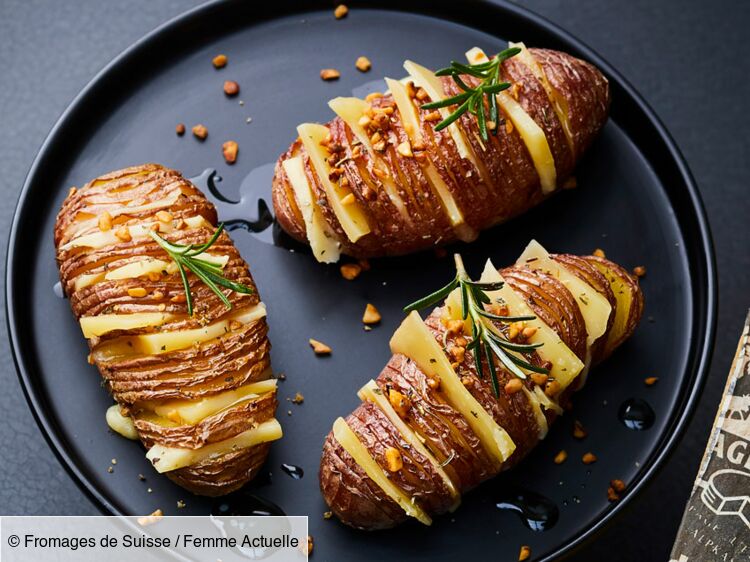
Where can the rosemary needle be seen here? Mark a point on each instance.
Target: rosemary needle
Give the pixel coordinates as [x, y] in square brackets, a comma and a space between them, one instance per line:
[186, 257]
[486, 339]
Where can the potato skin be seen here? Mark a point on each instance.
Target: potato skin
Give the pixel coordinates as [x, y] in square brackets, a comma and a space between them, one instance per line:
[357, 501]
[503, 184]
[240, 357]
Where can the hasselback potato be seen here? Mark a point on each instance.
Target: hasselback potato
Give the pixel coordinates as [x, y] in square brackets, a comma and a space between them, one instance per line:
[196, 389]
[379, 179]
[436, 423]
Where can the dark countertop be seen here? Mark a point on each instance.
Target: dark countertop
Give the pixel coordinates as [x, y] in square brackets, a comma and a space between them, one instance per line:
[681, 55]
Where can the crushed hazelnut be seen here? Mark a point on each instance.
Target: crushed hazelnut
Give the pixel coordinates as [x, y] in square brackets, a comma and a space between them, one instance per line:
[513, 385]
[330, 74]
[561, 457]
[618, 485]
[123, 233]
[612, 494]
[639, 271]
[404, 149]
[105, 221]
[432, 115]
[230, 150]
[650, 381]
[363, 64]
[231, 88]
[340, 11]
[512, 333]
[371, 315]
[298, 398]
[364, 121]
[578, 430]
[200, 132]
[457, 352]
[180, 129]
[137, 292]
[421, 94]
[599, 253]
[528, 332]
[588, 458]
[393, 459]
[319, 347]
[552, 388]
[164, 216]
[525, 553]
[220, 61]
[350, 271]
[399, 402]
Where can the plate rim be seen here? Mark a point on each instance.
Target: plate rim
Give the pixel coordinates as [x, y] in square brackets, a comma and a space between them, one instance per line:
[696, 379]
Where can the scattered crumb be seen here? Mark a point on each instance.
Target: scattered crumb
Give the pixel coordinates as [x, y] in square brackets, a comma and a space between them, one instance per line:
[149, 490]
[309, 545]
[371, 315]
[367, 328]
[242, 103]
[599, 253]
[110, 469]
[319, 347]
[570, 183]
[561, 457]
[230, 150]
[525, 553]
[340, 11]
[617, 484]
[612, 495]
[114, 461]
[288, 412]
[220, 61]
[589, 458]
[350, 271]
[150, 519]
[330, 74]
[578, 430]
[231, 88]
[298, 398]
[363, 64]
[249, 120]
[327, 514]
[180, 129]
[281, 376]
[639, 271]
[180, 504]
[141, 477]
[200, 132]
[650, 381]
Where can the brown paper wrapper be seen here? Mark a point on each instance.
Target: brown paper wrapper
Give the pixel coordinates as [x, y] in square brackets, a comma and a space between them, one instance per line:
[716, 522]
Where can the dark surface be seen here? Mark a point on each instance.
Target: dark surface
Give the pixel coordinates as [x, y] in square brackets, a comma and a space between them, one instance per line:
[703, 126]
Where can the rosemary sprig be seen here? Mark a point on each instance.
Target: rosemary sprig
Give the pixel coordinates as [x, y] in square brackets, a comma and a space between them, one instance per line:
[186, 258]
[472, 99]
[487, 340]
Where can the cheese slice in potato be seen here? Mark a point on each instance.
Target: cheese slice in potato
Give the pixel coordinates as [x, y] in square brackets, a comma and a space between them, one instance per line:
[352, 445]
[166, 459]
[122, 425]
[414, 340]
[532, 134]
[93, 326]
[351, 217]
[323, 243]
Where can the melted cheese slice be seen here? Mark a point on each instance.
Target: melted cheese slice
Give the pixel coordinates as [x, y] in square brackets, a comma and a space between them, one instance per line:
[414, 340]
[536, 408]
[351, 217]
[323, 243]
[372, 393]
[565, 364]
[166, 459]
[352, 445]
[531, 133]
[595, 308]
[559, 103]
[122, 425]
[93, 326]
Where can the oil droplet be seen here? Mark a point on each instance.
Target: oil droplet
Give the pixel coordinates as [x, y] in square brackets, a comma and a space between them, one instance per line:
[294, 471]
[636, 414]
[536, 511]
[241, 503]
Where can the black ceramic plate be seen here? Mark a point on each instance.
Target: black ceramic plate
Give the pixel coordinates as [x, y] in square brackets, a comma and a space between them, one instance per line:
[635, 199]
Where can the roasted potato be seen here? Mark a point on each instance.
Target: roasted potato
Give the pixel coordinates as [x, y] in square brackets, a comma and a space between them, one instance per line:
[437, 428]
[380, 180]
[195, 389]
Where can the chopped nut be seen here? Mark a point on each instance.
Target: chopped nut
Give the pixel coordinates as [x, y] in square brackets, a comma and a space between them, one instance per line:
[561, 457]
[327, 514]
[220, 61]
[404, 149]
[150, 519]
[421, 94]
[552, 388]
[179, 298]
[319, 347]
[399, 402]
[364, 121]
[298, 398]
[466, 380]
[639, 270]
[393, 459]
[578, 430]
[309, 545]
[200, 131]
[512, 333]
[371, 315]
[105, 221]
[113, 461]
[340, 11]
[181, 504]
[180, 129]
[432, 115]
[525, 553]
[369, 98]
[457, 352]
[330, 74]
[528, 332]
[491, 125]
[588, 458]
[599, 253]
[137, 292]
[612, 494]
[230, 150]
[231, 88]
[650, 381]
[455, 326]
[164, 216]
[350, 271]
[123, 233]
[513, 385]
[110, 469]
[363, 64]
[617, 484]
